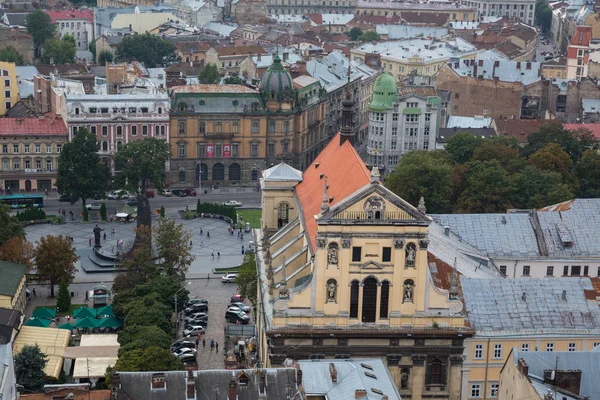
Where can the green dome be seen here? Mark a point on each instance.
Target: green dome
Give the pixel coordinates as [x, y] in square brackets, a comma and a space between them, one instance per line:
[385, 93]
[276, 83]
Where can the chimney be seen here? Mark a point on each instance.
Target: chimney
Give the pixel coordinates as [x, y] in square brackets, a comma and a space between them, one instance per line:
[360, 394]
[286, 55]
[301, 67]
[261, 384]
[564, 295]
[191, 386]
[523, 367]
[333, 373]
[569, 380]
[447, 230]
[231, 391]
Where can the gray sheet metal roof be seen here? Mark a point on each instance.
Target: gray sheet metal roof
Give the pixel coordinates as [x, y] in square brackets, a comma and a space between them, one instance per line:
[351, 375]
[587, 361]
[514, 239]
[498, 307]
[582, 224]
[138, 385]
[282, 172]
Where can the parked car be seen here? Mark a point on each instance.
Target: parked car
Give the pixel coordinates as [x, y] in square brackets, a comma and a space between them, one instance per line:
[150, 194]
[183, 344]
[188, 359]
[132, 202]
[233, 203]
[194, 330]
[184, 350]
[196, 318]
[241, 306]
[191, 325]
[94, 206]
[196, 308]
[190, 192]
[118, 195]
[167, 193]
[196, 301]
[229, 278]
[236, 315]
[178, 192]
[236, 298]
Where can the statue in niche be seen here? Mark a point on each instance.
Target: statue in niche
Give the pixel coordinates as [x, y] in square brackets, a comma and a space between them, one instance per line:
[331, 290]
[408, 292]
[332, 255]
[411, 253]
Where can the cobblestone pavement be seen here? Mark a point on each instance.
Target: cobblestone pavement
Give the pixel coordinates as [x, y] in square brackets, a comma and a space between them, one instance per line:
[220, 241]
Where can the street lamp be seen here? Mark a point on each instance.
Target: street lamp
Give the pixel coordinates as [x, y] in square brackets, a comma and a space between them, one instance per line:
[176, 314]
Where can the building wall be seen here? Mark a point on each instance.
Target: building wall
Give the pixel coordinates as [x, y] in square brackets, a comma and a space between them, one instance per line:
[124, 3]
[80, 29]
[10, 88]
[540, 268]
[514, 384]
[20, 40]
[292, 7]
[554, 72]
[521, 10]
[16, 302]
[476, 369]
[396, 9]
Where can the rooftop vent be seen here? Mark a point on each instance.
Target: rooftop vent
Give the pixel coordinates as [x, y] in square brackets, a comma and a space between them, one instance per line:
[564, 295]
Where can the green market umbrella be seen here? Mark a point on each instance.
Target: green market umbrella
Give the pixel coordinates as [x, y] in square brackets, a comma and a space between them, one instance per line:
[41, 323]
[66, 326]
[110, 322]
[106, 310]
[84, 312]
[44, 313]
[86, 323]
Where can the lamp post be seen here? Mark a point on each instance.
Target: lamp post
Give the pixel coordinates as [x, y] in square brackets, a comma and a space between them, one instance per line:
[176, 314]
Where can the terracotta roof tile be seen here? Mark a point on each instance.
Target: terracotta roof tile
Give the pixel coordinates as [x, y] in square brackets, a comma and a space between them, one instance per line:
[593, 128]
[33, 126]
[346, 173]
[70, 14]
[239, 50]
[519, 128]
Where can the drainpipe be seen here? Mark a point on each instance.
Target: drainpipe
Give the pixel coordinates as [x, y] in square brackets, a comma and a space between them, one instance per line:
[487, 362]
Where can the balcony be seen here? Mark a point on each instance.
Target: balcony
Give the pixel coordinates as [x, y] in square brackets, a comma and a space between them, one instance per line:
[374, 217]
[82, 117]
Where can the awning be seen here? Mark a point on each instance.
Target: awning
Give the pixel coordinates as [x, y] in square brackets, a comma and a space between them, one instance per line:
[40, 323]
[86, 323]
[106, 310]
[52, 342]
[92, 367]
[84, 312]
[110, 322]
[66, 326]
[44, 312]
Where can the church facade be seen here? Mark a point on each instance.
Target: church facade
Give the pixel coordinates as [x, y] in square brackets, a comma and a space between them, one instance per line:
[345, 272]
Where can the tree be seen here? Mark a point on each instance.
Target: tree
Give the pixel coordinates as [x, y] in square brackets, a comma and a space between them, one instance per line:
[246, 280]
[587, 171]
[141, 161]
[63, 300]
[209, 74]
[552, 158]
[148, 311]
[150, 49]
[41, 28]
[355, 33]
[427, 174]
[104, 57]
[55, 259]
[85, 213]
[233, 80]
[103, 211]
[487, 190]
[9, 225]
[92, 48]
[573, 143]
[17, 250]
[140, 337]
[151, 358]
[508, 157]
[536, 188]
[173, 247]
[10, 54]
[162, 211]
[462, 146]
[369, 36]
[29, 368]
[60, 51]
[81, 175]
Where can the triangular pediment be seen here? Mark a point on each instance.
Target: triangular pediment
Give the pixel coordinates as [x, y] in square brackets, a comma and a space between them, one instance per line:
[374, 203]
[371, 265]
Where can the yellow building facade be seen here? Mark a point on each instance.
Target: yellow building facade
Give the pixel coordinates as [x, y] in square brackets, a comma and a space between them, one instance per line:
[10, 88]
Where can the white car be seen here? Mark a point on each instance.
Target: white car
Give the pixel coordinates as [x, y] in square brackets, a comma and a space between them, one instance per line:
[183, 351]
[118, 195]
[229, 278]
[233, 203]
[94, 206]
[167, 193]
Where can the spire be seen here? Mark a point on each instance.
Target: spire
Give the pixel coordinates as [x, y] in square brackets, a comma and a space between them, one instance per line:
[347, 128]
[453, 291]
[421, 207]
[325, 202]
[375, 176]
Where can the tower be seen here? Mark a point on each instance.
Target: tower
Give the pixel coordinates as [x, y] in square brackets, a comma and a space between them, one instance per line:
[347, 125]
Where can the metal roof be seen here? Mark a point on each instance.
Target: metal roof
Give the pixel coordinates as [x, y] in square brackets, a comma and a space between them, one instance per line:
[282, 172]
[506, 71]
[536, 305]
[468, 122]
[498, 235]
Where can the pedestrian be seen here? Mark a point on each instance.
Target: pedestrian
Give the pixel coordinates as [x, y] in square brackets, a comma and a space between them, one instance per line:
[201, 232]
[68, 318]
[90, 241]
[104, 235]
[212, 254]
[212, 344]
[217, 344]
[242, 237]
[87, 296]
[112, 232]
[242, 249]
[203, 342]
[238, 235]
[113, 249]
[207, 234]
[34, 293]
[218, 254]
[197, 343]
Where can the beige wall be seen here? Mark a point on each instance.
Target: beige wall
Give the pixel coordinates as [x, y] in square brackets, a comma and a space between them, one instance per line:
[515, 385]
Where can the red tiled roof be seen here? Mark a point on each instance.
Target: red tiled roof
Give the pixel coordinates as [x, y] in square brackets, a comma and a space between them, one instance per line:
[70, 14]
[346, 173]
[520, 128]
[316, 18]
[593, 128]
[49, 126]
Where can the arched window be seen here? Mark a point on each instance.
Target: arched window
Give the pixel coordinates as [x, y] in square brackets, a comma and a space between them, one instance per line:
[271, 126]
[283, 214]
[218, 127]
[119, 130]
[383, 304]
[234, 172]
[354, 299]
[160, 110]
[76, 110]
[182, 175]
[218, 172]
[254, 174]
[105, 146]
[119, 145]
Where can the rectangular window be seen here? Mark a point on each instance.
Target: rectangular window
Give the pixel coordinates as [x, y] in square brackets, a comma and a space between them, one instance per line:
[58, 148]
[476, 390]
[7, 83]
[254, 150]
[235, 150]
[572, 346]
[549, 346]
[133, 130]
[26, 148]
[586, 270]
[5, 150]
[524, 346]
[271, 150]
[48, 148]
[182, 150]
[494, 389]
[27, 164]
[497, 351]
[15, 148]
[526, 270]
[156, 130]
[550, 270]
[393, 146]
[575, 270]
[119, 131]
[219, 150]
[104, 130]
[144, 130]
[201, 150]
[49, 165]
[478, 355]
[17, 165]
[356, 254]
[6, 165]
[38, 148]
[38, 164]
[503, 270]
[7, 94]
[386, 254]
[255, 126]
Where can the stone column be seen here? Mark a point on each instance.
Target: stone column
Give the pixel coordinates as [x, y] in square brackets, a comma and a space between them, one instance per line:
[360, 301]
[454, 378]
[417, 376]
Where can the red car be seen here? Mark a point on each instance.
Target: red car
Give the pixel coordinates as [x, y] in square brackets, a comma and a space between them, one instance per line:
[236, 298]
[190, 192]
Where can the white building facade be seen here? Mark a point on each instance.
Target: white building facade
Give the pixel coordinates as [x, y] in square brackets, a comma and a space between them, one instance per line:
[520, 10]
[77, 23]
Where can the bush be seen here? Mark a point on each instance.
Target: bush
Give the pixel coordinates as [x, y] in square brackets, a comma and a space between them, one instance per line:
[213, 208]
[103, 212]
[63, 301]
[31, 214]
[162, 211]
